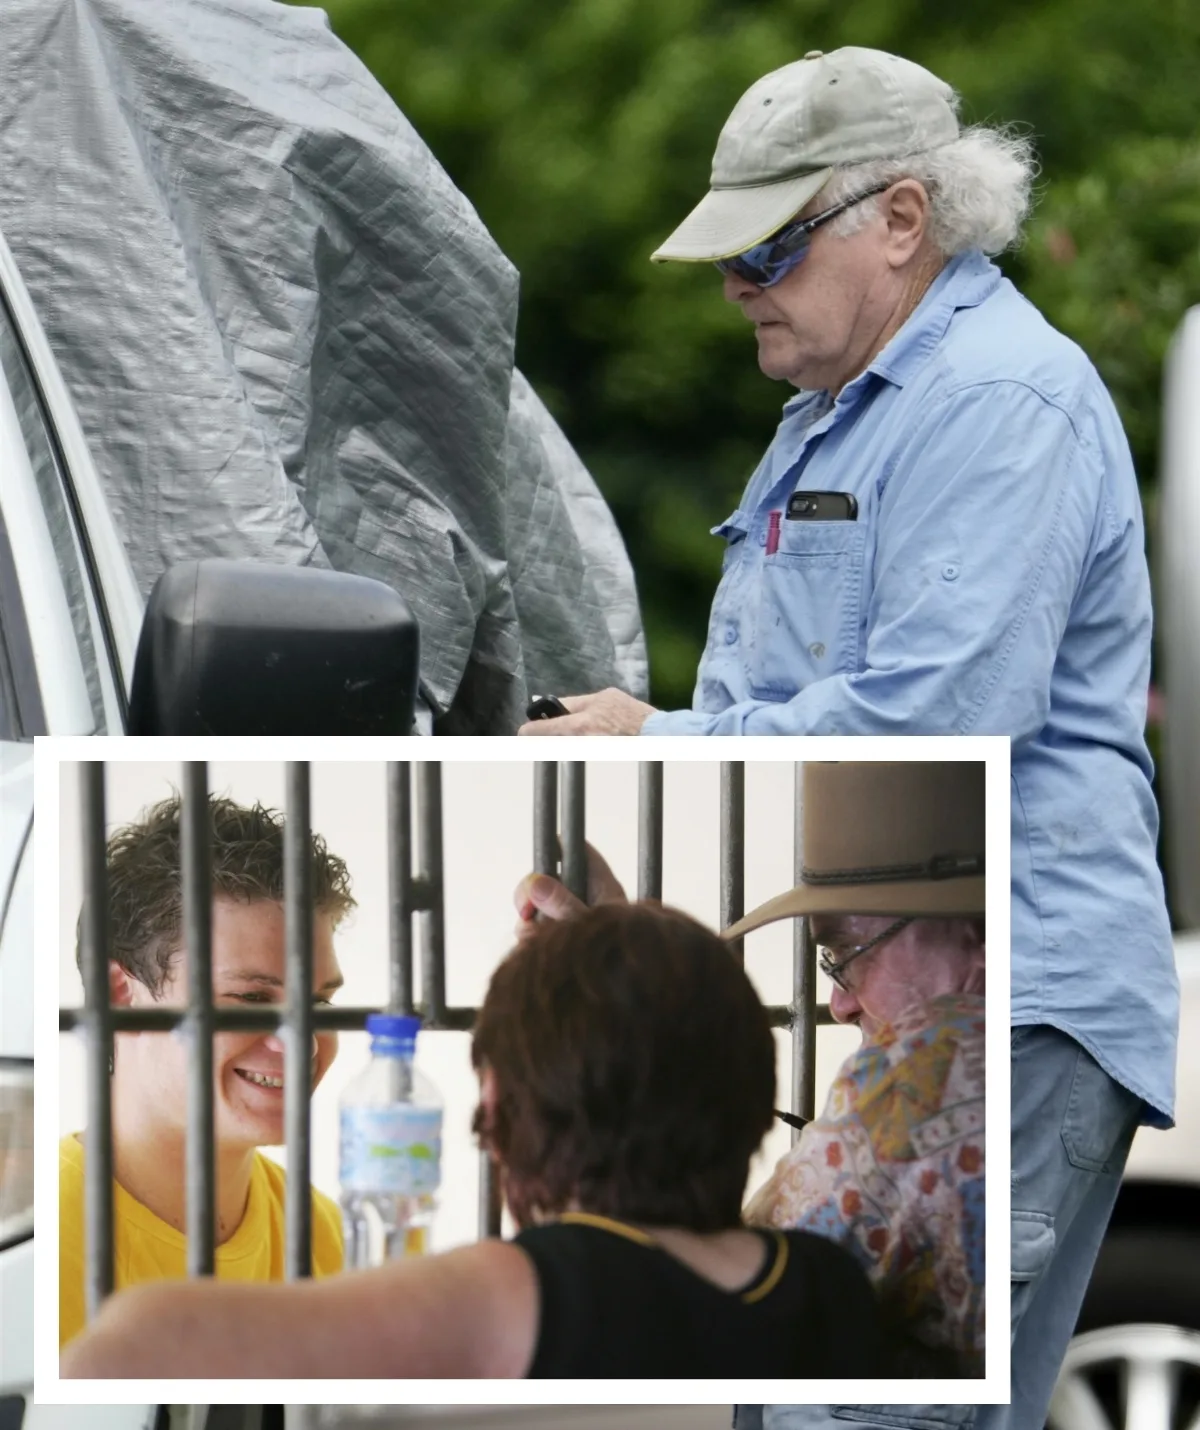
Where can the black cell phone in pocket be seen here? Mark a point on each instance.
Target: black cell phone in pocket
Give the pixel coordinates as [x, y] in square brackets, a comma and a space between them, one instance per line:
[822, 506]
[545, 707]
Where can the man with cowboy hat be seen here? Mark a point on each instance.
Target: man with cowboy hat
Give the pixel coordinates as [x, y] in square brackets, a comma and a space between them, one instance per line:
[893, 884]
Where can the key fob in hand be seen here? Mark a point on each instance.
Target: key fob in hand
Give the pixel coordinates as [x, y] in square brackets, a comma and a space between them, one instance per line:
[545, 707]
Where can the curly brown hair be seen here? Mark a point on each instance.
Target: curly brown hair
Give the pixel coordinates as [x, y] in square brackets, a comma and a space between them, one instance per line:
[145, 894]
[634, 1070]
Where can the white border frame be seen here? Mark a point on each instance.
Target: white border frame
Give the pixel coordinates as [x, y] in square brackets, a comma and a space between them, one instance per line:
[49, 1389]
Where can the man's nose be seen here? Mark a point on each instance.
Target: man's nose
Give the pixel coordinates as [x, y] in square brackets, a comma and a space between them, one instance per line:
[844, 1006]
[738, 288]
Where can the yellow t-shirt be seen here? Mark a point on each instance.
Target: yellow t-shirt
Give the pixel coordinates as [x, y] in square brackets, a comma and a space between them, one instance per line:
[147, 1249]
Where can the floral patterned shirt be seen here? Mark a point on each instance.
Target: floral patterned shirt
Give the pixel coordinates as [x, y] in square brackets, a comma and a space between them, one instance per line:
[893, 1169]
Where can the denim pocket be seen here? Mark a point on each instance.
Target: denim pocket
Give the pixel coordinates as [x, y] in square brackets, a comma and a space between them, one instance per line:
[809, 606]
[1032, 1241]
[907, 1417]
[1099, 1119]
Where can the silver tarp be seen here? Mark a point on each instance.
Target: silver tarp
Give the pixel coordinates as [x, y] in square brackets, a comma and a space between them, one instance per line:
[289, 337]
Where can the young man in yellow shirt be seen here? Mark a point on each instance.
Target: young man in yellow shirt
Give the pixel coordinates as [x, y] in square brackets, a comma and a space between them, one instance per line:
[147, 965]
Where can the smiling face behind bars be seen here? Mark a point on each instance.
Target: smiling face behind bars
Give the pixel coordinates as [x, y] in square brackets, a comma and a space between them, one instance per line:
[248, 956]
[149, 967]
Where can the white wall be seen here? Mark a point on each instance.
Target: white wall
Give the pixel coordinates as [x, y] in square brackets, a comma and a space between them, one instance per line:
[488, 847]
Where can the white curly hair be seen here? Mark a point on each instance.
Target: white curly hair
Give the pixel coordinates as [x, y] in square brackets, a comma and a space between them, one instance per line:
[979, 186]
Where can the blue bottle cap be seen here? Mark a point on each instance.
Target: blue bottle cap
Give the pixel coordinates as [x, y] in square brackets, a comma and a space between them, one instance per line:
[395, 1027]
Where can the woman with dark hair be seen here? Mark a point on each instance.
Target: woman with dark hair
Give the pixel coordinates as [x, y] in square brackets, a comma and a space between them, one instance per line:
[627, 1076]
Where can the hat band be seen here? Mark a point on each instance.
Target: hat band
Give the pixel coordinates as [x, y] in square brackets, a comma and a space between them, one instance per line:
[941, 866]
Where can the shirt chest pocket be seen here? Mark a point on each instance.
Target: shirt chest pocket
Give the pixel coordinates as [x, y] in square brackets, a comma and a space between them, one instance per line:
[809, 607]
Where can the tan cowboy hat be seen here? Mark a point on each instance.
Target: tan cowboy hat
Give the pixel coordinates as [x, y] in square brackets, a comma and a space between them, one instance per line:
[887, 838]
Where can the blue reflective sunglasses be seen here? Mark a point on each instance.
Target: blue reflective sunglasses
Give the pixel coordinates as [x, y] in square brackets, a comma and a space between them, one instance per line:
[775, 257]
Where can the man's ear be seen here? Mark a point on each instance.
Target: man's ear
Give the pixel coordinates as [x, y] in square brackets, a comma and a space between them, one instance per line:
[905, 207]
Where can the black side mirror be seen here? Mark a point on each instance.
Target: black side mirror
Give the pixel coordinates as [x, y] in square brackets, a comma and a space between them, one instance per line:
[242, 648]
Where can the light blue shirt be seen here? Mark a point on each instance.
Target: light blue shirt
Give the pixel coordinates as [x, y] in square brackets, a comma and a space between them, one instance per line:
[994, 582]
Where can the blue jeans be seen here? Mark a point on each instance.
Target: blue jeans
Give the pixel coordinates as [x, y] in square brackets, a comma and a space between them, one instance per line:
[1071, 1130]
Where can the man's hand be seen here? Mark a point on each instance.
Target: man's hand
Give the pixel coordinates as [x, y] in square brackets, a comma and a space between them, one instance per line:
[608, 712]
[542, 894]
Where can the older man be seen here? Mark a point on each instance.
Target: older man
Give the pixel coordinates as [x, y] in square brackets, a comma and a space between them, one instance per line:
[945, 536]
[894, 1167]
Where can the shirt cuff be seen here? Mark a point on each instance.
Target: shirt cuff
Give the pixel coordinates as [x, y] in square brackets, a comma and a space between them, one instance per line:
[677, 722]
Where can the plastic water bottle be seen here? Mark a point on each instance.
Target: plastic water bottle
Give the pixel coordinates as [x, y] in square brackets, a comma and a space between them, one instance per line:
[391, 1148]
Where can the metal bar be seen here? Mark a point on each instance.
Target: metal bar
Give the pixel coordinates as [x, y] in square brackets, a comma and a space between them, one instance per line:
[545, 861]
[545, 818]
[430, 878]
[490, 1200]
[196, 878]
[328, 1020]
[298, 1027]
[804, 984]
[345, 1019]
[733, 849]
[785, 1017]
[574, 820]
[650, 829]
[93, 944]
[400, 887]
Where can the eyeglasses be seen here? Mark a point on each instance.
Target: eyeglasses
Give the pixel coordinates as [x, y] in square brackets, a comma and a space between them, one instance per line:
[835, 971]
[775, 257]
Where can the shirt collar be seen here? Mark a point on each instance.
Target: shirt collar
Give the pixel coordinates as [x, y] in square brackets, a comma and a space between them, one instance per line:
[966, 280]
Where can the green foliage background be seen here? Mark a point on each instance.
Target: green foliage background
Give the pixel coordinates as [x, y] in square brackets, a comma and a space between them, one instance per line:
[583, 130]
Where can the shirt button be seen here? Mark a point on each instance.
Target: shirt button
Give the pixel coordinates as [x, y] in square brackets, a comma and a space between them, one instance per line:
[762, 538]
[730, 635]
[815, 55]
[950, 572]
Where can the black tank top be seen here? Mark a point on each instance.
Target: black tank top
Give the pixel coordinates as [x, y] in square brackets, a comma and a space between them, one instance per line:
[614, 1303]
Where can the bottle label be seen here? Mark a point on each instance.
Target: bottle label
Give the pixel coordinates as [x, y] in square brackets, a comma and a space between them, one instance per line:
[391, 1149]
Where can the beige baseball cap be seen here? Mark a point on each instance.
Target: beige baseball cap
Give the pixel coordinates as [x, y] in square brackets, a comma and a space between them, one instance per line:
[779, 146]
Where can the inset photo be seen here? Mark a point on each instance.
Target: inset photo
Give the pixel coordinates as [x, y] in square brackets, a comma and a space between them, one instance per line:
[590, 1072]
